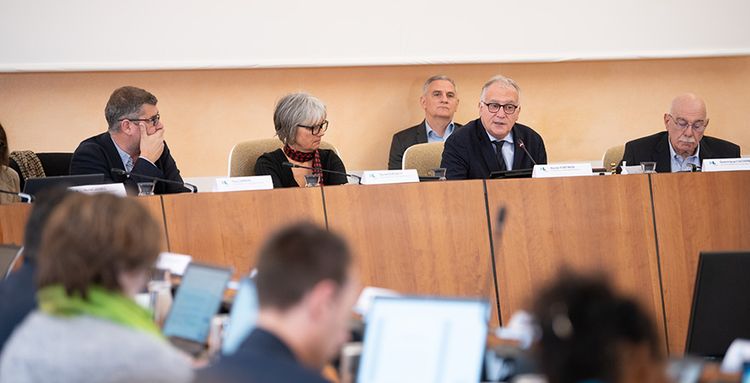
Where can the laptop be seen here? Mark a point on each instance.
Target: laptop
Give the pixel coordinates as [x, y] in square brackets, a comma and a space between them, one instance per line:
[424, 339]
[198, 298]
[721, 309]
[35, 185]
[242, 317]
[8, 256]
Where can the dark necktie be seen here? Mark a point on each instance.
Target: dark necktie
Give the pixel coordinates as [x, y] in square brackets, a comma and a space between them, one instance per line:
[499, 153]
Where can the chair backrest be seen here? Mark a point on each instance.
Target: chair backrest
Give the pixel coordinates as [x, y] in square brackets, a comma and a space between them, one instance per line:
[423, 157]
[243, 155]
[32, 165]
[613, 155]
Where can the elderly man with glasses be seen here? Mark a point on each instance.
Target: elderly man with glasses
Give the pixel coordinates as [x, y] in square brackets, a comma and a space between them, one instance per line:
[134, 142]
[682, 146]
[494, 142]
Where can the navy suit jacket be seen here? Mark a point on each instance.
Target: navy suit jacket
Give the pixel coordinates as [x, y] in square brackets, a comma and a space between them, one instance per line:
[469, 154]
[261, 358]
[17, 299]
[655, 148]
[402, 140]
[98, 154]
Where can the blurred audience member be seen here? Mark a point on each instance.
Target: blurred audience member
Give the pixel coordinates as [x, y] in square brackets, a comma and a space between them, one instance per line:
[306, 285]
[591, 334]
[96, 254]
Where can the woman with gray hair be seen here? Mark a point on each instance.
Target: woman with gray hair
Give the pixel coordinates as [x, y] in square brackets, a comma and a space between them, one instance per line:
[300, 122]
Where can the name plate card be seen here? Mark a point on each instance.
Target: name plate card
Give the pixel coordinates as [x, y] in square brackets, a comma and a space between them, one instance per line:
[174, 262]
[382, 177]
[116, 189]
[226, 184]
[562, 170]
[725, 164]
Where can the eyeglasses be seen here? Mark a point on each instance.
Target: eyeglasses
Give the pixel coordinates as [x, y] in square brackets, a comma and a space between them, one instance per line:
[494, 107]
[698, 126]
[153, 119]
[316, 129]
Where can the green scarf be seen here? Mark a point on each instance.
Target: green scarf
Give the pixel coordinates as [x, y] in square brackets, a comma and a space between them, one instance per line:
[101, 303]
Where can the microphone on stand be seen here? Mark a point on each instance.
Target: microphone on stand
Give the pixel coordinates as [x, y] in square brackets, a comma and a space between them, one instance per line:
[120, 172]
[523, 146]
[28, 197]
[291, 165]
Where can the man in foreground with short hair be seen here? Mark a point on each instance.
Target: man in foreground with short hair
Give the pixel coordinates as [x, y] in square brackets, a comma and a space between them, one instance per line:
[306, 285]
[134, 142]
[439, 100]
[494, 142]
[682, 146]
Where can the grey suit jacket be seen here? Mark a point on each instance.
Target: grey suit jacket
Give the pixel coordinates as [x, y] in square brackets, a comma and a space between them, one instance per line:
[402, 140]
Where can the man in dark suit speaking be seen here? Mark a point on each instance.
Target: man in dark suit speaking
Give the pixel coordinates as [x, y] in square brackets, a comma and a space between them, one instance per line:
[682, 146]
[134, 142]
[439, 100]
[494, 141]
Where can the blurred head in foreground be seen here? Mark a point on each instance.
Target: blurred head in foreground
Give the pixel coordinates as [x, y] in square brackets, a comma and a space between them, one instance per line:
[591, 333]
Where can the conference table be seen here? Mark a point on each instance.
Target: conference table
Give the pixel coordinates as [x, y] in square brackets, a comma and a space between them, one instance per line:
[641, 232]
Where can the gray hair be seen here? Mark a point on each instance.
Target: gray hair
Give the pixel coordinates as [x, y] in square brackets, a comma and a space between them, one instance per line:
[505, 81]
[124, 102]
[437, 78]
[295, 109]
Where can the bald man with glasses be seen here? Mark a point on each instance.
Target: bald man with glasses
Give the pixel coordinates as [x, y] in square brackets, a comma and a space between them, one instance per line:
[683, 146]
[134, 142]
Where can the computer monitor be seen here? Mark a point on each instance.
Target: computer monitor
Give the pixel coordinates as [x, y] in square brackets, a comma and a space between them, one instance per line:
[424, 339]
[721, 308]
[197, 300]
[242, 317]
[35, 185]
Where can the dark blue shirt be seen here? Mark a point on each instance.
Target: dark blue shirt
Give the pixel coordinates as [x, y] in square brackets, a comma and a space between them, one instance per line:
[17, 299]
[261, 358]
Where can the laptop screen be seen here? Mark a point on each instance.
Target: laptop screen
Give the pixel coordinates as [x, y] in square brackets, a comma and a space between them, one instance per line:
[196, 302]
[424, 339]
[35, 185]
[242, 317]
[721, 308]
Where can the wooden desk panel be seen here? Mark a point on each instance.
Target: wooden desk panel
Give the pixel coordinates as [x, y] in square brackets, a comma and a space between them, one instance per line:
[153, 205]
[427, 238]
[13, 222]
[229, 228]
[589, 224]
[696, 212]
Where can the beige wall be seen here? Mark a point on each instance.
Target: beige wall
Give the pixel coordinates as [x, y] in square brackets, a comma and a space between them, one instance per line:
[580, 108]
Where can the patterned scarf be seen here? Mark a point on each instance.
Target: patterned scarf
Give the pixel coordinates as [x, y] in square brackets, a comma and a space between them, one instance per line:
[298, 156]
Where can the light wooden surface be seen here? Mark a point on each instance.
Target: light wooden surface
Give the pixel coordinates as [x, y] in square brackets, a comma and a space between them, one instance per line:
[228, 228]
[590, 224]
[12, 222]
[694, 213]
[153, 205]
[426, 238]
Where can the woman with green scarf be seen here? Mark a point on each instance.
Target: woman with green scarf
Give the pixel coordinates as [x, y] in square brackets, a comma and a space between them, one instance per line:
[95, 257]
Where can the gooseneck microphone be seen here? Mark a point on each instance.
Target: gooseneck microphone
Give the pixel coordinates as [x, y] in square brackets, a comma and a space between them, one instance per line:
[24, 196]
[291, 165]
[120, 172]
[523, 146]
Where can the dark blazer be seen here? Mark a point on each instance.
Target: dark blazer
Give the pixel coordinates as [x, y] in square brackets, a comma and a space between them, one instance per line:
[98, 154]
[271, 164]
[404, 139]
[261, 358]
[17, 299]
[469, 154]
[655, 148]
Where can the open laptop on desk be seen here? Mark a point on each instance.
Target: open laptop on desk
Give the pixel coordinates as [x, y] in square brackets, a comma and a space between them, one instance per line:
[35, 185]
[424, 339]
[515, 173]
[197, 300]
[721, 307]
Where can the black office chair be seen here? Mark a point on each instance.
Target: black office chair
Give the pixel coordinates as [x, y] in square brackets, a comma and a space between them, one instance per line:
[29, 164]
